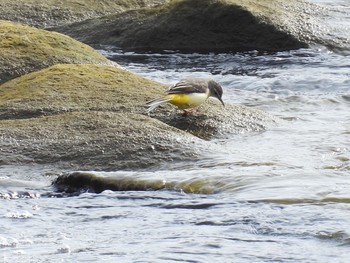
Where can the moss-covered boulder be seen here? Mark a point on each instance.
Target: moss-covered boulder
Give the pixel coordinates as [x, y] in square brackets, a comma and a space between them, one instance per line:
[209, 25]
[75, 87]
[67, 88]
[87, 117]
[50, 13]
[25, 49]
[94, 117]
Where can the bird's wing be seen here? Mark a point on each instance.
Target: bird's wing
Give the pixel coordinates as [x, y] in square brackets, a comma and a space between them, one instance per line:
[155, 103]
[188, 86]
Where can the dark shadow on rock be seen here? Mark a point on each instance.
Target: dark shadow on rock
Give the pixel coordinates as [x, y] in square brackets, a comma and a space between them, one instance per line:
[204, 25]
[214, 121]
[194, 124]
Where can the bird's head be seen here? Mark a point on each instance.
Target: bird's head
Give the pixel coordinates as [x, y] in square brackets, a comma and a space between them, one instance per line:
[215, 90]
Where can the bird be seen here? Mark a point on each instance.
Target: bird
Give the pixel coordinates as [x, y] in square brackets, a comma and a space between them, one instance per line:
[188, 94]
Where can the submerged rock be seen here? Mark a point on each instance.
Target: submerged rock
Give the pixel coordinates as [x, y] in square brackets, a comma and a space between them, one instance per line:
[78, 182]
[94, 117]
[209, 25]
[26, 49]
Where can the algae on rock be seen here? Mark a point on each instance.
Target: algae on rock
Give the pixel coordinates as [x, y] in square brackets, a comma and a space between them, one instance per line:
[26, 49]
[86, 116]
[75, 87]
[93, 117]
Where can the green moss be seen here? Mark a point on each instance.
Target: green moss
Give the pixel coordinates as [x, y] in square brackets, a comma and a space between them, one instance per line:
[79, 87]
[24, 49]
[195, 186]
[47, 45]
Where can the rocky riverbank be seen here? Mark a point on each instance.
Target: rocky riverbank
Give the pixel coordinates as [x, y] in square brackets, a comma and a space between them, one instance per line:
[64, 104]
[186, 25]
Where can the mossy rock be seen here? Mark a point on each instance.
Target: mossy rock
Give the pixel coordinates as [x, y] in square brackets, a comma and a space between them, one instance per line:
[87, 116]
[26, 49]
[50, 13]
[73, 87]
[196, 25]
[76, 87]
[210, 26]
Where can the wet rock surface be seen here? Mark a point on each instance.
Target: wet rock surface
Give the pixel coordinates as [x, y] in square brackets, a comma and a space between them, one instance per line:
[212, 120]
[94, 141]
[189, 26]
[79, 182]
[64, 104]
[210, 26]
[94, 117]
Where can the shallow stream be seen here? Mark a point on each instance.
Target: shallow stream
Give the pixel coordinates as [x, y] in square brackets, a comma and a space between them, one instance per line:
[282, 195]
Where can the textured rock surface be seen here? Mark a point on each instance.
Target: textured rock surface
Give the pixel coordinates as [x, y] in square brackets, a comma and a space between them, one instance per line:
[26, 49]
[211, 25]
[93, 117]
[50, 13]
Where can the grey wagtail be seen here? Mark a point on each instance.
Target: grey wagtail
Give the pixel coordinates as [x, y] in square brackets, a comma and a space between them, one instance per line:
[188, 94]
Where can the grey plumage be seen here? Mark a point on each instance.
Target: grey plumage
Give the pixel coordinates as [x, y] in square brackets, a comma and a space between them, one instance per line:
[207, 87]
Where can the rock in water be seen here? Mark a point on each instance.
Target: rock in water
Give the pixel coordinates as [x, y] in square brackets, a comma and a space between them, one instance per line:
[210, 26]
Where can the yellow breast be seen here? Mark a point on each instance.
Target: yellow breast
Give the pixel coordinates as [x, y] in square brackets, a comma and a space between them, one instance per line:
[185, 101]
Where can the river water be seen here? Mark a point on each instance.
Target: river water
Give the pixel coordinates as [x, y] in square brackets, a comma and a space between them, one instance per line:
[282, 195]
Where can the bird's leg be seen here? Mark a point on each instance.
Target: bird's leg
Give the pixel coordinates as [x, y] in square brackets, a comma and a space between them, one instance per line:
[188, 111]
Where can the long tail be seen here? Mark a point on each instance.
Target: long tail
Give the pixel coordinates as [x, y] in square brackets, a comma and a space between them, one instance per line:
[152, 104]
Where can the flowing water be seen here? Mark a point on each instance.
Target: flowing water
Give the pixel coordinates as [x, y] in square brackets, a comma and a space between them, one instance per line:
[282, 195]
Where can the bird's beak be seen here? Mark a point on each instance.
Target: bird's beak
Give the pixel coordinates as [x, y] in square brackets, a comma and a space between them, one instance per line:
[223, 104]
